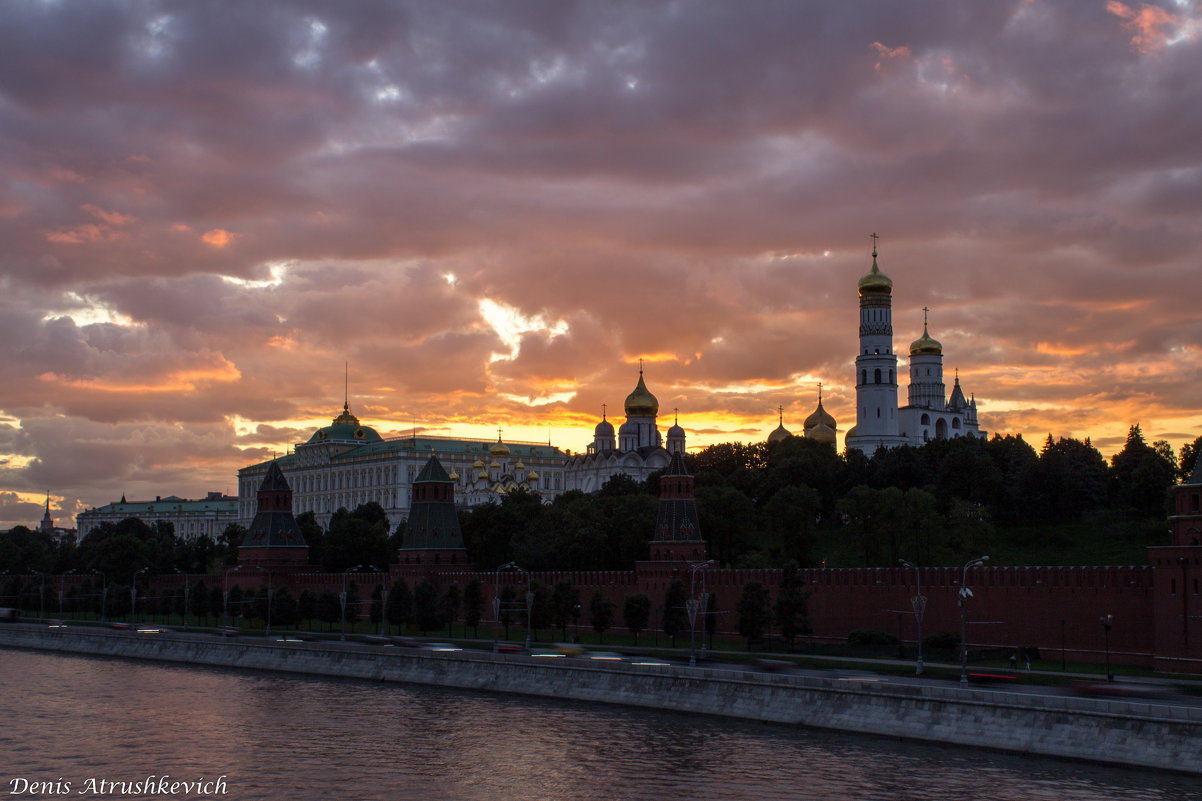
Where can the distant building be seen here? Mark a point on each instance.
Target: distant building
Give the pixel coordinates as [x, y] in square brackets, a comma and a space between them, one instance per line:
[48, 528]
[820, 426]
[346, 464]
[190, 519]
[880, 423]
[638, 450]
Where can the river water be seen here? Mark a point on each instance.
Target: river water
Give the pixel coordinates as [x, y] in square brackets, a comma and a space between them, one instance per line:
[78, 721]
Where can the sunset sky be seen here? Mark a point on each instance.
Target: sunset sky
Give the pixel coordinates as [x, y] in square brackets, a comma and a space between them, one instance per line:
[491, 211]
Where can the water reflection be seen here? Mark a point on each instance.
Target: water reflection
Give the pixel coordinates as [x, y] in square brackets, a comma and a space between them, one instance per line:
[287, 737]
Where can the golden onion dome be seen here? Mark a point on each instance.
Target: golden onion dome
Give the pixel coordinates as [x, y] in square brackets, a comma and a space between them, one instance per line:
[779, 433]
[519, 465]
[641, 403]
[822, 433]
[453, 476]
[532, 475]
[498, 449]
[820, 417]
[875, 282]
[495, 464]
[925, 344]
[482, 476]
[478, 464]
[853, 432]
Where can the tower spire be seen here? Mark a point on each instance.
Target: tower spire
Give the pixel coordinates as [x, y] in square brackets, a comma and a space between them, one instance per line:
[346, 386]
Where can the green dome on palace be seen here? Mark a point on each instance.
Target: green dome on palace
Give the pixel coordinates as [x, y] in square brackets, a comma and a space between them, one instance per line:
[346, 428]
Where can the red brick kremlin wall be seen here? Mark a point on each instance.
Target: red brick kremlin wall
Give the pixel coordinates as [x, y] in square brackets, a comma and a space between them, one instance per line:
[1157, 609]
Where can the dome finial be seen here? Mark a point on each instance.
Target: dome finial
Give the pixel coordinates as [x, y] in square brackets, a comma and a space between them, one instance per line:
[603, 412]
[781, 416]
[874, 239]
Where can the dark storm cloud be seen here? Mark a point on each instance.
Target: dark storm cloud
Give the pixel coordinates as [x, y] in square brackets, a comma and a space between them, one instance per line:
[693, 182]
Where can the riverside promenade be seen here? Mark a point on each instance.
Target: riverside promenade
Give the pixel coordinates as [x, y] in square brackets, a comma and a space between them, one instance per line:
[1144, 733]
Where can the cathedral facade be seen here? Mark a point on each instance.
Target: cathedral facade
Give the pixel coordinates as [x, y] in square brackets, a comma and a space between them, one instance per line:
[929, 413]
[637, 451]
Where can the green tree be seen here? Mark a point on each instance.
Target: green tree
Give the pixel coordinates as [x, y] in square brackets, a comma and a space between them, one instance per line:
[636, 613]
[473, 605]
[753, 611]
[228, 543]
[1188, 459]
[356, 538]
[314, 536]
[425, 607]
[565, 598]
[602, 611]
[789, 518]
[306, 606]
[329, 608]
[540, 610]
[790, 611]
[675, 618]
[1140, 476]
[285, 611]
[400, 604]
[452, 600]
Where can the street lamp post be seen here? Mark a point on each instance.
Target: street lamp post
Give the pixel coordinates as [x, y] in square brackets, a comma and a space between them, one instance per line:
[270, 592]
[41, 596]
[383, 598]
[187, 590]
[498, 603]
[965, 594]
[920, 605]
[695, 606]
[62, 586]
[1107, 621]
[342, 598]
[133, 597]
[104, 592]
[225, 595]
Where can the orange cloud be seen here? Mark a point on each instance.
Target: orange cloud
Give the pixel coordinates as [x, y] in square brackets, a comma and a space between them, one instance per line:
[218, 237]
[110, 217]
[1154, 26]
[179, 381]
[886, 53]
[83, 233]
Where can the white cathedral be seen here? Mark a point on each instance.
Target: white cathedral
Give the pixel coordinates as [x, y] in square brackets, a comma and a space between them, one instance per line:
[880, 423]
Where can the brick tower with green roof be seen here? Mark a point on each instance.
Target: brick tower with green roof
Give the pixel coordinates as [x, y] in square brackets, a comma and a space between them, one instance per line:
[432, 533]
[677, 532]
[274, 541]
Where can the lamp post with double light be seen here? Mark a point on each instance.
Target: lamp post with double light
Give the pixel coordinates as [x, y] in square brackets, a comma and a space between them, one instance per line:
[104, 591]
[133, 597]
[225, 596]
[62, 587]
[920, 605]
[41, 595]
[1107, 621]
[965, 594]
[187, 590]
[342, 598]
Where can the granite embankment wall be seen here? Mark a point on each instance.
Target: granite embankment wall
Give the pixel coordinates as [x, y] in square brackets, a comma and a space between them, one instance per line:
[1122, 732]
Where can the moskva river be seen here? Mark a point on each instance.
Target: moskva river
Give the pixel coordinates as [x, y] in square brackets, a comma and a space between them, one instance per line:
[85, 727]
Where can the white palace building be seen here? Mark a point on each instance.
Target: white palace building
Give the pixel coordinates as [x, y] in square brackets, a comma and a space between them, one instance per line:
[346, 464]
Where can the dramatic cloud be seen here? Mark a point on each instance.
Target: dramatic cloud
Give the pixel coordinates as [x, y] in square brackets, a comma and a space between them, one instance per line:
[493, 211]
